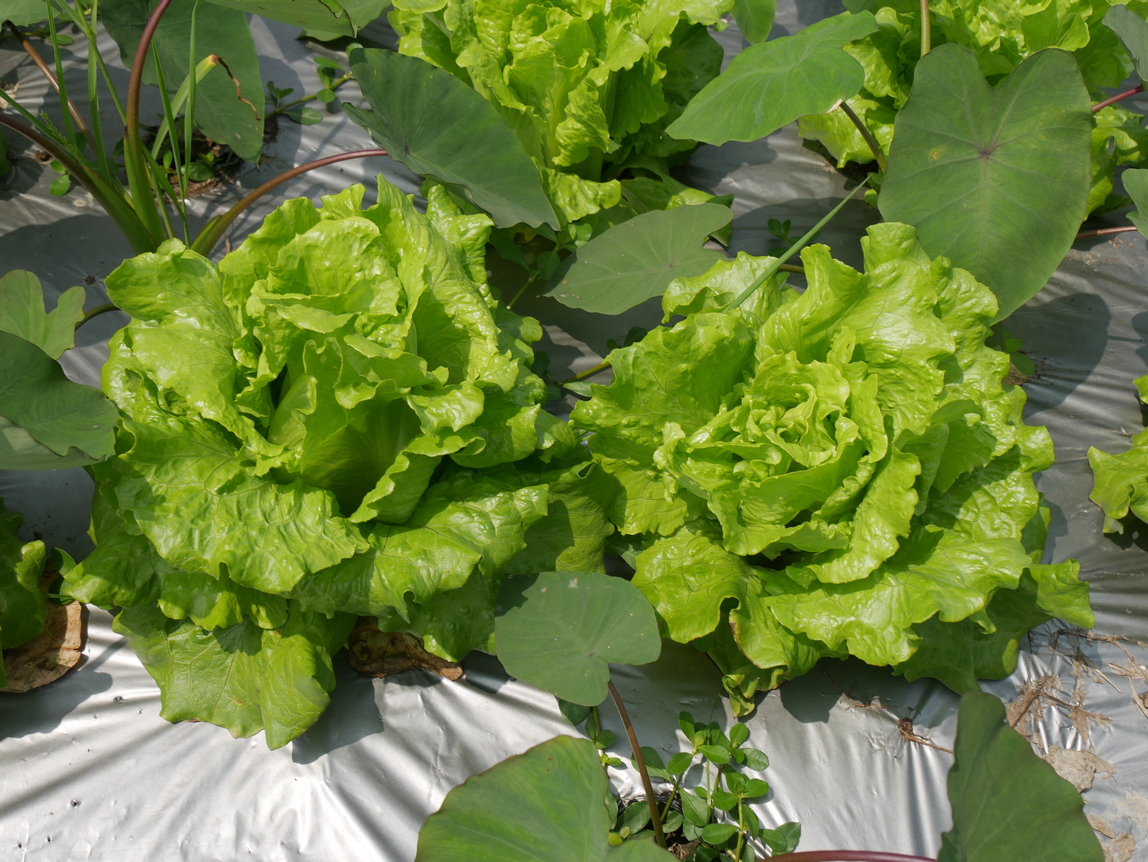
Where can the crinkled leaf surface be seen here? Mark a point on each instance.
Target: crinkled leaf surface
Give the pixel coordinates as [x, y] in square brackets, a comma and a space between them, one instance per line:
[46, 420]
[439, 127]
[996, 180]
[244, 678]
[22, 313]
[560, 631]
[1120, 481]
[22, 605]
[326, 15]
[771, 84]
[544, 804]
[1008, 803]
[639, 258]
[229, 100]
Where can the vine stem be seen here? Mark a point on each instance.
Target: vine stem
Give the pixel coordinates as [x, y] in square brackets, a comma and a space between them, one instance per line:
[845, 856]
[1105, 231]
[655, 816]
[96, 312]
[874, 147]
[1099, 106]
[282, 109]
[213, 231]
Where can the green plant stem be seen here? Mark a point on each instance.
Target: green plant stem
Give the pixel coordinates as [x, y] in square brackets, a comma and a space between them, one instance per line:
[845, 856]
[794, 249]
[144, 196]
[213, 231]
[874, 147]
[533, 278]
[96, 312]
[1105, 231]
[640, 762]
[47, 73]
[926, 29]
[590, 372]
[740, 830]
[1100, 106]
[335, 85]
[109, 198]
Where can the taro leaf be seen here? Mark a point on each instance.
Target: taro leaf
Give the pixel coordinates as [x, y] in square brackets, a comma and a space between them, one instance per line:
[361, 13]
[754, 18]
[1008, 804]
[996, 180]
[771, 84]
[227, 110]
[559, 630]
[46, 420]
[1133, 32]
[23, 12]
[439, 127]
[326, 15]
[1136, 184]
[545, 804]
[22, 313]
[637, 259]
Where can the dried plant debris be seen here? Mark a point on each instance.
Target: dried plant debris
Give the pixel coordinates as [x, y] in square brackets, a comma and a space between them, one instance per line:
[1118, 847]
[383, 654]
[1080, 768]
[51, 654]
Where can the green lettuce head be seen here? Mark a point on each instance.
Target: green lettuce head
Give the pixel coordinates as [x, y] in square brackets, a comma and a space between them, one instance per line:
[589, 87]
[23, 610]
[335, 420]
[835, 472]
[1120, 482]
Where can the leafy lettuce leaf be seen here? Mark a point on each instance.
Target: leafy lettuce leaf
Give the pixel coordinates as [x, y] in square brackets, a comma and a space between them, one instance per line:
[840, 471]
[22, 607]
[588, 87]
[336, 420]
[1120, 482]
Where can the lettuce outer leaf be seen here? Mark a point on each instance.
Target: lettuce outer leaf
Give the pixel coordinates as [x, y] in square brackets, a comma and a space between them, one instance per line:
[337, 419]
[588, 87]
[23, 609]
[836, 472]
[1120, 482]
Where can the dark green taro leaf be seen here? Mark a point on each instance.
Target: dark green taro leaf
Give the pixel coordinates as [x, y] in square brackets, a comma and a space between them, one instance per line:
[754, 18]
[637, 259]
[771, 84]
[326, 15]
[560, 630]
[361, 13]
[46, 420]
[439, 127]
[23, 12]
[1008, 804]
[229, 101]
[1136, 184]
[22, 313]
[546, 804]
[1133, 32]
[996, 180]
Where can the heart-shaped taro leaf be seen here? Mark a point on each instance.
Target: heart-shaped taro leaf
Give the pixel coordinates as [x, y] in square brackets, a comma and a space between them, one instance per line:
[559, 631]
[637, 259]
[1007, 803]
[544, 804]
[1136, 184]
[46, 420]
[754, 18]
[771, 84]
[439, 127]
[22, 313]
[1133, 32]
[325, 15]
[996, 180]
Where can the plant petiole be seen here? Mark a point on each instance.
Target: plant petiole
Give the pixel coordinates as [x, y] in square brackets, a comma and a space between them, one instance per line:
[926, 29]
[874, 147]
[1099, 106]
[640, 762]
[96, 312]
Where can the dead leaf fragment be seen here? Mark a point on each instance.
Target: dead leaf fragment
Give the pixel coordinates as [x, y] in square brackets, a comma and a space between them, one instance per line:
[382, 654]
[1078, 767]
[51, 654]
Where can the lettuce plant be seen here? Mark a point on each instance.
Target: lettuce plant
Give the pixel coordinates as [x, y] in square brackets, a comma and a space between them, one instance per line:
[588, 87]
[22, 608]
[835, 472]
[1001, 35]
[336, 420]
[1120, 482]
